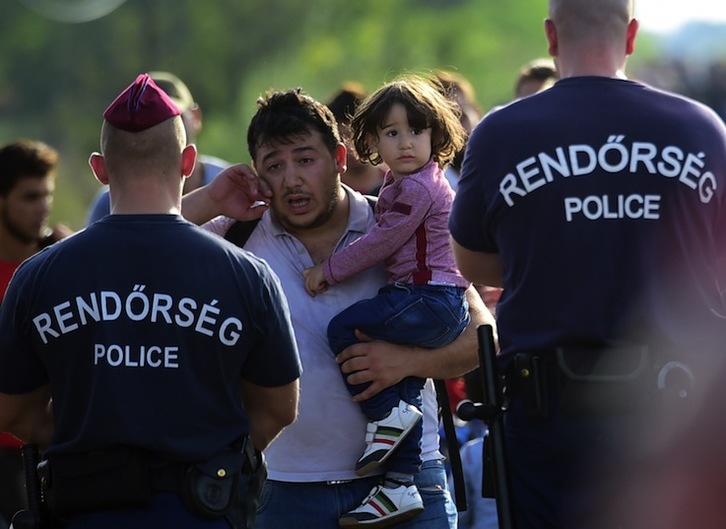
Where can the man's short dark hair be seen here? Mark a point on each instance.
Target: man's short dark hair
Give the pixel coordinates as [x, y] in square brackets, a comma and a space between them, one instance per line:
[284, 116]
[25, 159]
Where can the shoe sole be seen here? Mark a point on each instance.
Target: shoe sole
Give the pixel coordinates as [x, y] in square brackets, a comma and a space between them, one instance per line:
[379, 523]
[370, 466]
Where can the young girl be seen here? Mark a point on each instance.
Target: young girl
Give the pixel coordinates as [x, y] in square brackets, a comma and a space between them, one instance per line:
[414, 129]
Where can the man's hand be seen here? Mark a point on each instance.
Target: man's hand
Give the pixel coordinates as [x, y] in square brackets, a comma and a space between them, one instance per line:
[315, 280]
[383, 364]
[236, 192]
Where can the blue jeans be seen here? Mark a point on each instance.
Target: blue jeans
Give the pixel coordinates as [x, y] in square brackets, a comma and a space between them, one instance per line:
[424, 315]
[319, 506]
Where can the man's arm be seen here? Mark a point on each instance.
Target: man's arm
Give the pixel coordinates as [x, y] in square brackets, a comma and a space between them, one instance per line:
[28, 416]
[269, 410]
[384, 364]
[478, 267]
[236, 192]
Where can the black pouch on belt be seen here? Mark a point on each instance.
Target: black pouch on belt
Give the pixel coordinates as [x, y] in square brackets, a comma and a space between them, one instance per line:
[94, 481]
[210, 489]
[532, 379]
[604, 381]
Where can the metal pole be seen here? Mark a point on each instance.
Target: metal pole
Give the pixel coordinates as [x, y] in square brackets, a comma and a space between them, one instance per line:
[491, 412]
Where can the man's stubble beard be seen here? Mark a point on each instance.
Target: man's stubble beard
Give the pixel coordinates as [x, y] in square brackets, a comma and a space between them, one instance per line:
[332, 198]
[14, 230]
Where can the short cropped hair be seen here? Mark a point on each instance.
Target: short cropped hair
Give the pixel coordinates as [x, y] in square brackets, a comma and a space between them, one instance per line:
[585, 20]
[25, 158]
[151, 150]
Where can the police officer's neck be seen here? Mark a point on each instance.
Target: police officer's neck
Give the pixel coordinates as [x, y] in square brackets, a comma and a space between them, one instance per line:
[592, 65]
[145, 200]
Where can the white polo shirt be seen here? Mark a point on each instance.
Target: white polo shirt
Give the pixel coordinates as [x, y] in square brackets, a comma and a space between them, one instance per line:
[328, 436]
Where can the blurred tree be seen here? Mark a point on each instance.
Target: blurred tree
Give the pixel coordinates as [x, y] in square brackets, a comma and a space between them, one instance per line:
[58, 77]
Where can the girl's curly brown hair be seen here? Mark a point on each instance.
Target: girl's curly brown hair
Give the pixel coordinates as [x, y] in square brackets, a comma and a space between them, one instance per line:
[426, 107]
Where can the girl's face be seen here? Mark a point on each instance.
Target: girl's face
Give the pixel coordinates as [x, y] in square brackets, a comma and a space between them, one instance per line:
[404, 149]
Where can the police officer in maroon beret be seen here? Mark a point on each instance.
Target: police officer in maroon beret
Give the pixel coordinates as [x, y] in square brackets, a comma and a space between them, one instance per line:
[151, 361]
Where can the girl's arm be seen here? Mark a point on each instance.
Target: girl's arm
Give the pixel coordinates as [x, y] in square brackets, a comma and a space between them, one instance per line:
[392, 230]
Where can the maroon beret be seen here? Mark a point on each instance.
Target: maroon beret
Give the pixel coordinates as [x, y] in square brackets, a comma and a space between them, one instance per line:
[141, 106]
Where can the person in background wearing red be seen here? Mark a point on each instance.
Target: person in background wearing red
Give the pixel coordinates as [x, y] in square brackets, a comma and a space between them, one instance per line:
[27, 181]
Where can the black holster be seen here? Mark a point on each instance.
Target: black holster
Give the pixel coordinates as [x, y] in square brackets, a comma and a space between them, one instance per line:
[228, 485]
[533, 377]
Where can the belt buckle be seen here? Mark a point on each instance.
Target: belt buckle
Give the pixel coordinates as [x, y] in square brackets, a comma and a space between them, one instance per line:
[338, 481]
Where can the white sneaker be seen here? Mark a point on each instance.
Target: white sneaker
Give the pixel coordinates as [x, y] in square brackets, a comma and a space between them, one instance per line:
[382, 437]
[384, 507]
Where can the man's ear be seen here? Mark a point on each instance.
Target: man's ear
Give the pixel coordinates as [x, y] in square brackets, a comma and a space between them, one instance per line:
[189, 159]
[341, 158]
[98, 166]
[630, 36]
[551, 34]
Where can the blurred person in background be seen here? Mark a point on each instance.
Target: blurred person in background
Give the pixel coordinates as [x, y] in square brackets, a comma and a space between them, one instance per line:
[27, 181]
[363, 177]
[459, 89]
[535, 76]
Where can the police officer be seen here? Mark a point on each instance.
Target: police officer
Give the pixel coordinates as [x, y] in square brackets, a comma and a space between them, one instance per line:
[168, 353]
[599, 206]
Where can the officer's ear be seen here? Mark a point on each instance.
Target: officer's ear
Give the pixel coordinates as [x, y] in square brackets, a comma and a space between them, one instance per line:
[633, 26]
[189, 159]
[551, 34]
[98, 166]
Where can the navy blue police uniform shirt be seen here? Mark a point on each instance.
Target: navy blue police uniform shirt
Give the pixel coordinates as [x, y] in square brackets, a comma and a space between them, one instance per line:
[605, 200]
[145, 326]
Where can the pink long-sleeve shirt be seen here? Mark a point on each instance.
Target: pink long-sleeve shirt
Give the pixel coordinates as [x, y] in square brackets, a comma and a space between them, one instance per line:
[411, 235]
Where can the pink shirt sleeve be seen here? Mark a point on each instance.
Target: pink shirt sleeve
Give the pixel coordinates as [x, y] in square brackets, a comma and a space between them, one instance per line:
[218, 225]
[396, 224]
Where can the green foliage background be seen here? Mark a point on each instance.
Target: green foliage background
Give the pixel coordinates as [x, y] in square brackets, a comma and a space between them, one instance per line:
[58, 77]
